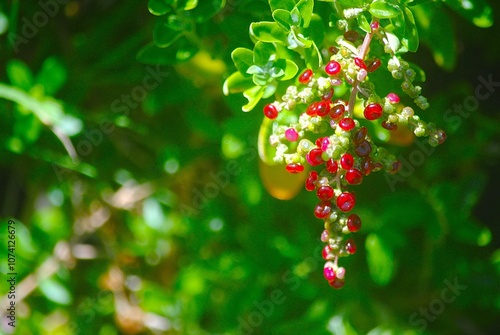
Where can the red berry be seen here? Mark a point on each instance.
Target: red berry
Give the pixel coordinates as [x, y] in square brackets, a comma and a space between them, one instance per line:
[375, 64]
[326, 253]
[323, 209]
[329, 273]
[332, 68]
[347, 123]
[270, 111]
[312, 109]
[337, 111]
[305, 77]
[323, 108]
[291, 135]
[374, 25]
[441, 136]
[359, 63]
[310, 181]
[314, 157]
[393, 98]
[350, 246]
[354, 177]
[313, 175]
[333, 50]
[346, 201]
[351, 35]
[346, 161]
[332, 166]
[337, 283]
[325, 193]
[389, 125]
[363, 149]
[325, 142]
[367, 166]
[373, 111]
[354, 223]
[294, 168]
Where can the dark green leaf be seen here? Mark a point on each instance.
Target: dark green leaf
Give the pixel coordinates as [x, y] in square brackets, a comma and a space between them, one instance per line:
[411, 32]
[363, 23]
[283, 18]
[180, 51]
[243, 59]
[380, 259]
[281, 4]
[268, 32]
[384, 10]
[52, 76]
[305, 8]
[262, 53]
[478, 12]
[20, 74]
[206, 9]
[160, 7]
[237, 83]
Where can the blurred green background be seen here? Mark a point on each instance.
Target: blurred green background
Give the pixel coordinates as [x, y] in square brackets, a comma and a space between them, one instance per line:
[140, 207]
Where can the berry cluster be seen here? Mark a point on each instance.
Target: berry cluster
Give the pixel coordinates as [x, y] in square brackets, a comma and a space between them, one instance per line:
[318, 133]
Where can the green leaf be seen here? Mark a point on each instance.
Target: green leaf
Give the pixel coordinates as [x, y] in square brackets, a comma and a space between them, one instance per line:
[380, 259]
[160, 7]
[411, 32]
[167, 30]
[312, 57]
[283, 18]
[281, 4]
[236, 83]
[263, 53]
[253, 96]
[363, 23]
[52, 76]
[306, 10]
[188, 4]
[243, 59]
[384, 10]
[19, 74]
[206, 9]
[478, 12]
[267, 32]
[351, 3]
[179, 52]
[288, 67]
[55, 291]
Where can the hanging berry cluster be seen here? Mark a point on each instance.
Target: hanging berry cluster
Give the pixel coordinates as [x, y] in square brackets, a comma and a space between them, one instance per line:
[321, 120]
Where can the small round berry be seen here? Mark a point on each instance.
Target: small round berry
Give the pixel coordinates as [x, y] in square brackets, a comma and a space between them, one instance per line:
[395, 167]
[347, 123]
[323, 108]
[325, 193]
[354, 177]
[389, 125]
[363, 148]
[346, 201]
[323, 210]
[354, 223]
[337, 283]
[329, 273]
[332, 68]
[346, 161]
[310, 185]
[340, 273]
[359, 63]
[270, 111]
[291, 134]
[332, 166]
[306, 76]
[374, 65]
[393, 98]
[373, 111]
[360, 135]
[295, 168]
[314, 157]
[441, 136]
[351, 35]
[325, 142]
[312, 109]
[337, 111]
[313, 175]
[325, 236]
[374, 25]
[407, 111]
[326, 253]
[367, 166]
[350, 246]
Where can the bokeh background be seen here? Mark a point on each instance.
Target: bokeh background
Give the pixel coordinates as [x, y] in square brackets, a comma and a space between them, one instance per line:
[141, 206]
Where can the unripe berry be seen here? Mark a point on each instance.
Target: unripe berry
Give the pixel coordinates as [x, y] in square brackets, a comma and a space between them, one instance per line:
[393, 98]
[332, 68]
[305, 77]
[346, 201]
[270, 111]
[354, 223]
[325, 236]
[326, 253]
[291, 135]
[373, 111]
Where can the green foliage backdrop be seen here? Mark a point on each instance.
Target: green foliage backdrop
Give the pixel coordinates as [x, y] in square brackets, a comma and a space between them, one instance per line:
[141, 206]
